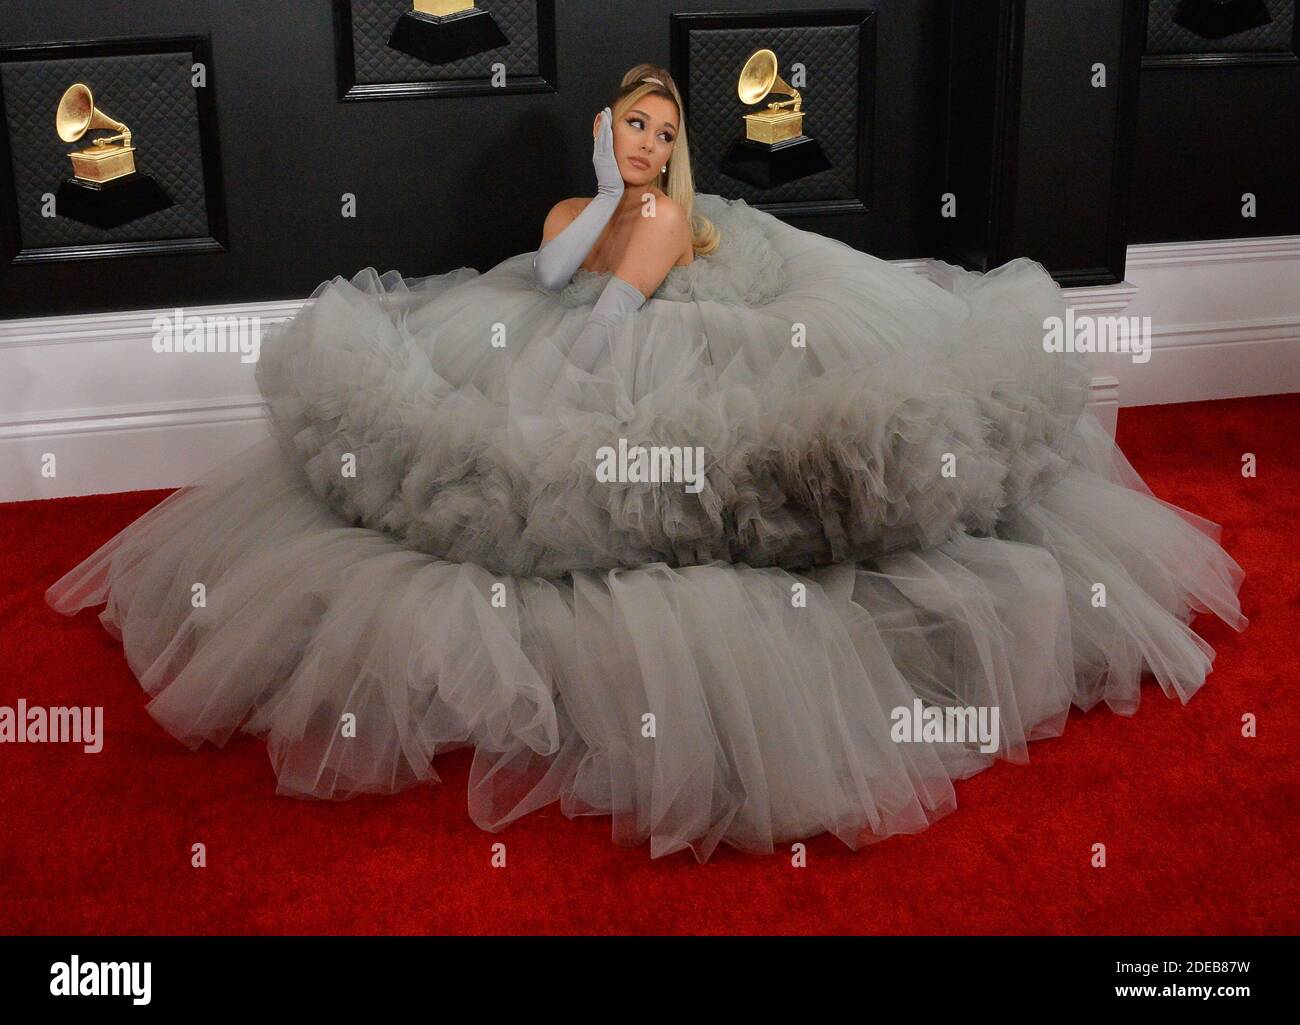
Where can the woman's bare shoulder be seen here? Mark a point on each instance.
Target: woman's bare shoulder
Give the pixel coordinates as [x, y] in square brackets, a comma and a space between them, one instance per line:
[561, 215]
[673, 207]
[671, 213]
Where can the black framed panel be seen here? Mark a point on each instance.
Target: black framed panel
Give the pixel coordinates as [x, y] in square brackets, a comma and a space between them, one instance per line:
[1110, 172]
[1209, 33]
[1024, 136]
[837, 50]
[986, 58]
[370, 69]
[149, 84]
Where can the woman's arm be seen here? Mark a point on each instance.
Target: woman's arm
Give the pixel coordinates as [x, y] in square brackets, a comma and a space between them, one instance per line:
[594, 344]
[557, 259]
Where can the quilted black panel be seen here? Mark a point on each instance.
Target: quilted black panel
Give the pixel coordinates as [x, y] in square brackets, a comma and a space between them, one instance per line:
[829, 54]
[375, 62]
[152, 95]
[1164, 35]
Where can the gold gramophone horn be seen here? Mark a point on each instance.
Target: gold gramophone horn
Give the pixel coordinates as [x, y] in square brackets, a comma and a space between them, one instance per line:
[77, 115]
[103, 160]
[759, 78]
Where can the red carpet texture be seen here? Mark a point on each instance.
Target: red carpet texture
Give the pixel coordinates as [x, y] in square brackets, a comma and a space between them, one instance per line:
[1199, 823]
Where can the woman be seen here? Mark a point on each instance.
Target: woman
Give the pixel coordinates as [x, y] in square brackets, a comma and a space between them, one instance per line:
[694, 519]
[632, 227]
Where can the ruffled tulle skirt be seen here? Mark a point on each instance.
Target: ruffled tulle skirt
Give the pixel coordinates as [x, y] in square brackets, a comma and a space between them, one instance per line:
[752, 664]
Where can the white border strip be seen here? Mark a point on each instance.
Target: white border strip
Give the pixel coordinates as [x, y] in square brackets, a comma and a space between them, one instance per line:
[1172, 254]
[90, 327]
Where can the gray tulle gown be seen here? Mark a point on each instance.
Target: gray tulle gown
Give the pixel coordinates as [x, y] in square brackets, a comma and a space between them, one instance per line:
[904, 500]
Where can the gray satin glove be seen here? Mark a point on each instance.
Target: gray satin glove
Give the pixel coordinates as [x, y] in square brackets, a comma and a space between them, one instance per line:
[594, 345]
[556, 260]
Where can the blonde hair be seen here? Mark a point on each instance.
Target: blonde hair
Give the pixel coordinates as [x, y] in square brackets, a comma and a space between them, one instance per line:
[678, 183]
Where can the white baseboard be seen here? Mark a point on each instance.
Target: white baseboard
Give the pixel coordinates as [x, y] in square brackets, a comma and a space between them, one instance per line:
[125, 448]
[89, 408]
[1225, 316]
[89, 390]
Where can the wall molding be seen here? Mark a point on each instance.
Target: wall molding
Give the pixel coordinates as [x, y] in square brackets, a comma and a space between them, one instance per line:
[88, 388]
[1225, 250]
[1225, 320]
[1267, 329]
[153, 416]
[1101, 298]
[128, 324]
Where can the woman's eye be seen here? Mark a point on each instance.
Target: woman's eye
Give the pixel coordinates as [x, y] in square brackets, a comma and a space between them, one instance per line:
[640, 124]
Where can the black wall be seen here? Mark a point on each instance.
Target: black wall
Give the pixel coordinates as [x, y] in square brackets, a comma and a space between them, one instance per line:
[1039, 157]
[1208, 134]
[440, 183]
[1045, 166]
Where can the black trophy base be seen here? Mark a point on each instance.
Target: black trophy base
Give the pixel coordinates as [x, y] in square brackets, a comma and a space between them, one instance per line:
[113, 203]
[1214, 19]
[764, 165]
[439, 40]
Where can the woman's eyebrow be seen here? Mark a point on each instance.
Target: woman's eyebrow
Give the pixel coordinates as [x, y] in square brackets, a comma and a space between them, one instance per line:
[667, 124]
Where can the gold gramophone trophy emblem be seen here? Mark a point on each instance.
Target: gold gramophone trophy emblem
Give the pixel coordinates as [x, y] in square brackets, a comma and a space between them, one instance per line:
[775, 149]
[104, 159]
[438, 31]
[105, 189]
[759, 79]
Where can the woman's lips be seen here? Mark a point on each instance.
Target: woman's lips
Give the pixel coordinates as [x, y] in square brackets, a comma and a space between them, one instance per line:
[638, 162]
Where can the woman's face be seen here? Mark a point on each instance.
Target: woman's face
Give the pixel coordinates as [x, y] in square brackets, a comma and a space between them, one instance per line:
[644, 137]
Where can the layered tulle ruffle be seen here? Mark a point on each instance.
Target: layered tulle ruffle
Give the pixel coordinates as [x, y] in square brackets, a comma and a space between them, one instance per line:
[904, 507]
[861, 410]
[695, 705]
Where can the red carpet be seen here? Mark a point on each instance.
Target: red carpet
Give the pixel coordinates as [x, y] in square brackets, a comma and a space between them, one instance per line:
[1200, 824]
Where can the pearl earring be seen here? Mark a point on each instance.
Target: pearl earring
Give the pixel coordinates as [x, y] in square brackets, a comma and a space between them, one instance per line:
[665, 170]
